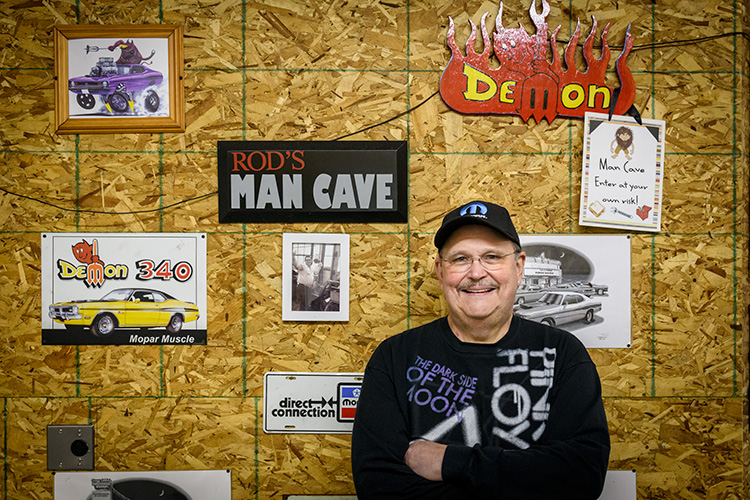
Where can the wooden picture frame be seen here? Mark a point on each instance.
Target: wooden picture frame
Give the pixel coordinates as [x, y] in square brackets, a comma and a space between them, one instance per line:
[119, 78]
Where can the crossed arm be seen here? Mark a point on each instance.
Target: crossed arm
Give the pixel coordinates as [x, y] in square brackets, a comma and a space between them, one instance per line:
[425, 458]
[388, 463]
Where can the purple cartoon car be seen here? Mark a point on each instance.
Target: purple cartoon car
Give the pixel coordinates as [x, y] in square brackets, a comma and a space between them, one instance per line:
[118, 83]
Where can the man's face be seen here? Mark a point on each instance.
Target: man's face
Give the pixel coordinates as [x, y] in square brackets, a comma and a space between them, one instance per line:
[476, 293]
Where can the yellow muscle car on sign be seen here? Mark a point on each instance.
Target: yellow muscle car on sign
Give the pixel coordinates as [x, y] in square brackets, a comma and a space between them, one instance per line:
[125, 308]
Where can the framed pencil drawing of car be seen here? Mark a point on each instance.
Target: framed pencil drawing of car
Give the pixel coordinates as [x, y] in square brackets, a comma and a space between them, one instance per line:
[118, 78]
[580, 283]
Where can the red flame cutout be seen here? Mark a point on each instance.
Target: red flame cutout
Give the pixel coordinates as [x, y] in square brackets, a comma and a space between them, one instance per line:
[526, 83]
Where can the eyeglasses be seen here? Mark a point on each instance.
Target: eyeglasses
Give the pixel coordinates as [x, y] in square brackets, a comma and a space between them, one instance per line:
[490, 261]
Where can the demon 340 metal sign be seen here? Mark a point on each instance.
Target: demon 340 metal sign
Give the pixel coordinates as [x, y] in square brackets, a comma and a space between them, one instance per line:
[123, 288]
[317, 181]
[523, 81]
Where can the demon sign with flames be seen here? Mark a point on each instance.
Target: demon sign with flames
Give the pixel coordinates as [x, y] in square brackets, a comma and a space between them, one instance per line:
[526, 83]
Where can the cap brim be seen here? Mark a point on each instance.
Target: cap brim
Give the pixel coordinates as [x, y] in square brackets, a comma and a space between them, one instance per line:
[446, 230]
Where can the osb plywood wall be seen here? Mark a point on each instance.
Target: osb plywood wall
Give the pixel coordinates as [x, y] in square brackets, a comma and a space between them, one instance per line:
[319, 70]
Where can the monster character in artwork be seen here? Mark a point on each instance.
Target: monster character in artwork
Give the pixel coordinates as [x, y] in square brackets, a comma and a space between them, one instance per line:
[129, 53]
[86, 253]
[519, 52]
[119, 83]
[524, 56]
[527, 77]
[623, 142]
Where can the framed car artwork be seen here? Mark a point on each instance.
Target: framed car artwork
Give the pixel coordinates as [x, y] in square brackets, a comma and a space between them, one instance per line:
[118, 78]
[580, 283]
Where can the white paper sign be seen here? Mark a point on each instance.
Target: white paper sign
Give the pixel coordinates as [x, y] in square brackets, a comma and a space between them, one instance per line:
[174, 485]
[312, 403]
[619, 485]
[623, 172]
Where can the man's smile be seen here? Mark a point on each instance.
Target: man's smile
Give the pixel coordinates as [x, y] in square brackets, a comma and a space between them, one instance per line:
[477, 288]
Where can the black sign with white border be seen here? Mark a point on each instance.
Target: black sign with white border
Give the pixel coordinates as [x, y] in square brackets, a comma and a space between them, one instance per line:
[312, 181]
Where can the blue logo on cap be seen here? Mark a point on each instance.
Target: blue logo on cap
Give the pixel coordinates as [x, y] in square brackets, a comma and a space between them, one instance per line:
[474, 209]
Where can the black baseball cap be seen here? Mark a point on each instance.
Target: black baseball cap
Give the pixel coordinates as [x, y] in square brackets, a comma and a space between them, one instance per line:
[477, 212]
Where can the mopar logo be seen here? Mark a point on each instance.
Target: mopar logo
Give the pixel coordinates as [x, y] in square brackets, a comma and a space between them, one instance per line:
[474, 209]
[348, 398]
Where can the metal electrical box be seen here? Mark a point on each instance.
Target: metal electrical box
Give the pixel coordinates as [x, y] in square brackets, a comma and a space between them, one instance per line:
[70, 447]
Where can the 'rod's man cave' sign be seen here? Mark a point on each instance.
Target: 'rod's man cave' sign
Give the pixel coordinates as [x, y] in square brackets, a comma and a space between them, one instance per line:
[318, 181]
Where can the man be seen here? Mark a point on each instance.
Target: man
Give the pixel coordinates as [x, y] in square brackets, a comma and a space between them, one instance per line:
[315, 271]
[481, 403]
[303, 290]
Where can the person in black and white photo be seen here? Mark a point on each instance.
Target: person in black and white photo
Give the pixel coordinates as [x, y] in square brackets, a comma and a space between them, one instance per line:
[302, 293]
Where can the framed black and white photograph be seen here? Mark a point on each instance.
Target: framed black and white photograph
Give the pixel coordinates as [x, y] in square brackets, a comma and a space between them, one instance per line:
[315, 277]
[580, 283]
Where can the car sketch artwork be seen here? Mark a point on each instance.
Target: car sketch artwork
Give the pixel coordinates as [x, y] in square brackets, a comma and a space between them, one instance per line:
[121, 83]
[529, 293]
[125, 308]
[557, 308]
[585, 287]
[580, 283]
[557, 287]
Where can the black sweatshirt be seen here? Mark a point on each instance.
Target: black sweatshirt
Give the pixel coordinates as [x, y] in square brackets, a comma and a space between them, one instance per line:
[523, 418]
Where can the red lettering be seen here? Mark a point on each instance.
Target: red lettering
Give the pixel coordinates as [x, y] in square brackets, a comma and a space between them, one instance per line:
[95, 274]
[266, 160]
[298, 156]
[239, 159]
[270, 160]
[250, 161]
